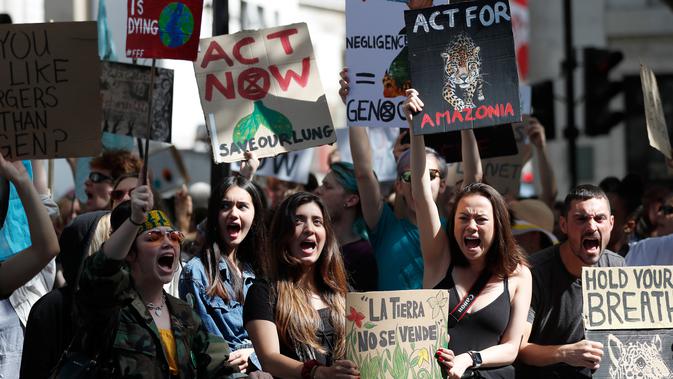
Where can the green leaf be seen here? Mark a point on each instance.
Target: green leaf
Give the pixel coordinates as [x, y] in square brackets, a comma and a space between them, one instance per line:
[414, 362]
[247, 127]
[369, 325]
[274, 120]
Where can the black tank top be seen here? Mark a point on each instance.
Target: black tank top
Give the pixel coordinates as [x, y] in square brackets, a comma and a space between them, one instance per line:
[481, 329]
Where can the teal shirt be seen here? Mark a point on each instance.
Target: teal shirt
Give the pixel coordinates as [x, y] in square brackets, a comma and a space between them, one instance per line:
[397, 247]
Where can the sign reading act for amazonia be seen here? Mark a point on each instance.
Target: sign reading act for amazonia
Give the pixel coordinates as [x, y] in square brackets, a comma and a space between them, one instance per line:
[49, 90]
[260, 91]
[463, 65]
[163, 28]
[394, 334]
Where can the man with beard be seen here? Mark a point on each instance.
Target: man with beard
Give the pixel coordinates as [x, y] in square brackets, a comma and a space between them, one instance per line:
[554, 345]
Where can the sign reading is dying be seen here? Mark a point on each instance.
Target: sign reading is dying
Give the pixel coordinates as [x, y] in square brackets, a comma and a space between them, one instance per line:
[49, 90]
[260, 91]
[163, 28]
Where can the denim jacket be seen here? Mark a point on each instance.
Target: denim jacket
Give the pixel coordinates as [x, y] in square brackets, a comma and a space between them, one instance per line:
[219, 317]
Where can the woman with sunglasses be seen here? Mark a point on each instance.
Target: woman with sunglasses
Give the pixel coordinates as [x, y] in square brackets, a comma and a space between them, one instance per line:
[655, 250]
[133, 327]
[105, 170]
[479, 262]
[296, 320]
[216, 282]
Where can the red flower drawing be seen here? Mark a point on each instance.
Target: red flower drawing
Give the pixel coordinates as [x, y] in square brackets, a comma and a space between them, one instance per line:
[356, 317]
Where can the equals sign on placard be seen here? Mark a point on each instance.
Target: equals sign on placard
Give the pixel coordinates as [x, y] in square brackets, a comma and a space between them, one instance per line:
[364, 78]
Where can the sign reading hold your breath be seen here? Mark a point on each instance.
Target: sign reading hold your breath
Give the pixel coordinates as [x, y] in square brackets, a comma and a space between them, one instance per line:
[394, 334]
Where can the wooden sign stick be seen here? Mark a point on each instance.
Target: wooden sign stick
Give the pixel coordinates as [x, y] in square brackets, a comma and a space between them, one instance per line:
[143, 178]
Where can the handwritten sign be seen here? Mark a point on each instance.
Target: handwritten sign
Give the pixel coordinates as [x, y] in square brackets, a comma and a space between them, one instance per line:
[377, 59]
[260, 91]
[294, 166]
[657, 132]
[163, 28]
[394, 334]
[463, 65]
[634, 353]
[49, 90]
[627, 297]
[125, 89]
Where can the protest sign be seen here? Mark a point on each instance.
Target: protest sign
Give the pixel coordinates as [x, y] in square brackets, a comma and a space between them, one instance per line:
[125, 92]
[627, 297]
[260, 91]
[168, 170]
[163, 28]
[294, 166]
[496, 141]
[470, 47]
[376, 57]
[394, 334]
[49, 90]
[634, 353]
[657, 132]
[382, 142]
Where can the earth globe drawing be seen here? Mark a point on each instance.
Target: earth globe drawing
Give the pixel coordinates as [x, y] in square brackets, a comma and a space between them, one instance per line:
[176, 24]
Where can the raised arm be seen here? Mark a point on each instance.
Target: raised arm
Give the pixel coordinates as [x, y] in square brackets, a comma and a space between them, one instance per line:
[535, 132]
[17, 270]
[472, 170]
[371, 200]
[434, 244]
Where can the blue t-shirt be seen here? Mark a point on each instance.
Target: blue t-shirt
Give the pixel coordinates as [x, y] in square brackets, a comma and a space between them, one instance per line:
[397, 247]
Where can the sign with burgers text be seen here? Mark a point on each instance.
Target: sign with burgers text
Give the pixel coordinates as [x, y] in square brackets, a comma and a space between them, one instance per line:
[463, 65]
[260, 91]
[163, 28]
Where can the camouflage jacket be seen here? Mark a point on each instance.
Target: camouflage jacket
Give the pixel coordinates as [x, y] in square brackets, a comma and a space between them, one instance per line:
[106, 297]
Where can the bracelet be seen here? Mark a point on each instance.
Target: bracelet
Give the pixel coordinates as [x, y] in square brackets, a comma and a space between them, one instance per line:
[314, 370]
[135, 223]
[308, 369]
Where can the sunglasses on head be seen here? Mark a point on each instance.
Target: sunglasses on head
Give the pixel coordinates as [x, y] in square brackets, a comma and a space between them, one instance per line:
[97, 177]
[118, 194]
[406, 175]
[158, 235]
[666, 209]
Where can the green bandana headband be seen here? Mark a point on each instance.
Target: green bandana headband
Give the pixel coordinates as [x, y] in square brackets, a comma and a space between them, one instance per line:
[155, 219]
[344, 173]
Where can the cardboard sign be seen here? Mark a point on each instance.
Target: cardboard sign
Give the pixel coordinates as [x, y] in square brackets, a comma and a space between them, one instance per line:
[496, 141]
[657, 132]
[463, 65]
[49, 90]
[394, 334]
[376, 57]
[634, 353]
[627, 297]
[168, 170]
[294, 166]
[163, 28]
[260, 91]
[125, 89]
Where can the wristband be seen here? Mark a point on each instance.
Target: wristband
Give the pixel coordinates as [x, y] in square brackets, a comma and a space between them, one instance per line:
[308, 369]
[135, 223]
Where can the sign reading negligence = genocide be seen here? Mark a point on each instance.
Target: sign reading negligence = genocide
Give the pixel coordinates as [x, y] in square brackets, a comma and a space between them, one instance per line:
[49, 90]
[394, 334]
[463, 65]
[630, 311]
[260, 91]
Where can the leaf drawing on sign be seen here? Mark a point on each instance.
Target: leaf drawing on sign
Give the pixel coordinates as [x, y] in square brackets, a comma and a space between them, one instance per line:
[437, 303]
[397, 80]
[247, 127]
[637, 359]
[275, 121]
[462, 69]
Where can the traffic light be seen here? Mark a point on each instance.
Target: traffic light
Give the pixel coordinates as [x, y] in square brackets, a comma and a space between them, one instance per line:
[599, 90]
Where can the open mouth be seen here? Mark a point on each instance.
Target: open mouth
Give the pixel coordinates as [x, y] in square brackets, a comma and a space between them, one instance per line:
[591, 243]
[233, 230]
[472, 242]
[308, 247]
[166, 261]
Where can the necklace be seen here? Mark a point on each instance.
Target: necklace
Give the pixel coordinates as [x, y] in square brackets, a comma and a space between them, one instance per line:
[157, 309]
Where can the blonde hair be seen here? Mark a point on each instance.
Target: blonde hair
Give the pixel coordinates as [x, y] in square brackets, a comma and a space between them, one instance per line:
[100, 235]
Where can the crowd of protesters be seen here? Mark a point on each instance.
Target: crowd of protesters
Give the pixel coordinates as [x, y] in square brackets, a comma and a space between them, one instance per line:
[257, 286]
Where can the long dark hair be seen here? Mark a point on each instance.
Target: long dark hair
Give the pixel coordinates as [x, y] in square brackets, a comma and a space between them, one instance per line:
[250, 252]
[296, 320]
[504, 255]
